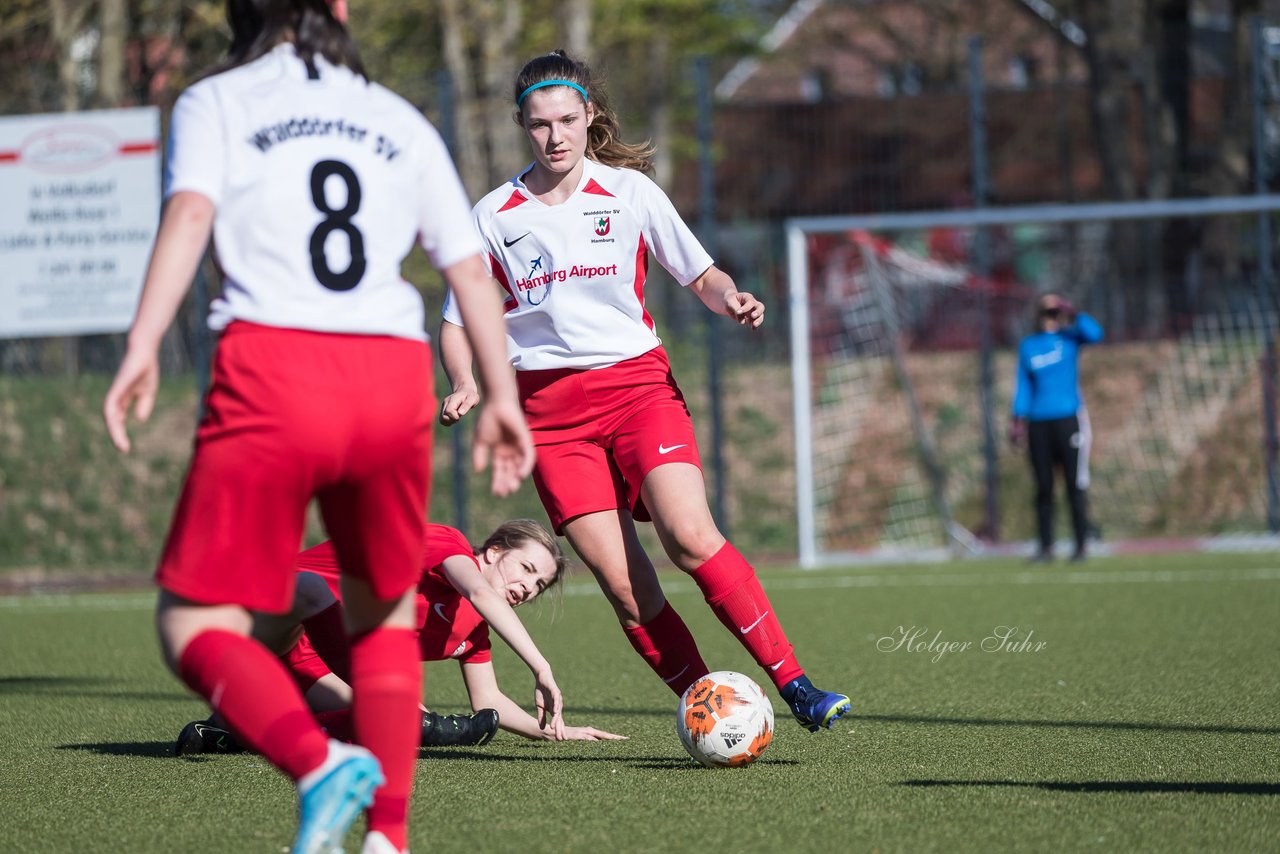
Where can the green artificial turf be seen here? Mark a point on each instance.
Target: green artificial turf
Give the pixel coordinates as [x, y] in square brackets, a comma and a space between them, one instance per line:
[1148, 721]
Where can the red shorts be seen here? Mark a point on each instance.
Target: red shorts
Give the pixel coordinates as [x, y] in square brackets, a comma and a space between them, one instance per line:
[304, 665]
[600, 432]
[293, 414]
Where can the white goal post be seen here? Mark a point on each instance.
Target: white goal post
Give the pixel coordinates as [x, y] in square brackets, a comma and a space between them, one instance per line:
[838, 398]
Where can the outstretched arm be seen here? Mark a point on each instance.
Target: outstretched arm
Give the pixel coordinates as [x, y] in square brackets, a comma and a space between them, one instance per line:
[498, 613]
[180, 242]
[483, 691]
[718, 292]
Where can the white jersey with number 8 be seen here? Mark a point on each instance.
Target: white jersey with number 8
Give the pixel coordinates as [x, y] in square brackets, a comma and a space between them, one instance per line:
[321, 184]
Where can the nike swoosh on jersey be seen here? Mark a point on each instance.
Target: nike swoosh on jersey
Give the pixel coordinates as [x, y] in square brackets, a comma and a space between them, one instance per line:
[753, 625]
[664, 450]
[510, 243]
[439, 609]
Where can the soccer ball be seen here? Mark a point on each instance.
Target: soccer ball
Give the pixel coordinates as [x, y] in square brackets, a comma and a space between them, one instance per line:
[725, 720]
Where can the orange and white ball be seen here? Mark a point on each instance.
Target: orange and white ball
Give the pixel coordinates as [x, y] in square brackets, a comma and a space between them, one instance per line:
[725, 720]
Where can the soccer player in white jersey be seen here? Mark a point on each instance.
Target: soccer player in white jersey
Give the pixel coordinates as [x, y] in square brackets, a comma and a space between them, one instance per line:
[314, 183]
[568, 240]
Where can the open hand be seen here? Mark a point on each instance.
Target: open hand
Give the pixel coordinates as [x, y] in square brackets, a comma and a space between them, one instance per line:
[550, 705]
[502, 437]
[586, 733]
[134, 387]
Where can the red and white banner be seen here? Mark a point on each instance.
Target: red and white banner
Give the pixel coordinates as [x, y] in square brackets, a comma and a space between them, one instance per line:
[79, 206]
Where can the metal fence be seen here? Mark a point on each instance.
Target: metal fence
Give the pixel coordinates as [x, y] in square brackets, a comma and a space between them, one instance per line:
[756, 165]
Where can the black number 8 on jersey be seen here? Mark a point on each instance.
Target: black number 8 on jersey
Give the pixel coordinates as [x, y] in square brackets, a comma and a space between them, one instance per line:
[336, 220]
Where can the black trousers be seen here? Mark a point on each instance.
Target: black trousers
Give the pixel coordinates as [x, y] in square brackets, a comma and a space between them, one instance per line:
[1055, 444]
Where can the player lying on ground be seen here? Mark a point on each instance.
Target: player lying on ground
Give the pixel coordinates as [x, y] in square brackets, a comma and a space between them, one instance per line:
[463, 591]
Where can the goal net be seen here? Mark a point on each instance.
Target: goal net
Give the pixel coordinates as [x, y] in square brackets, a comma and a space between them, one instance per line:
[894, 428]
[878, 483]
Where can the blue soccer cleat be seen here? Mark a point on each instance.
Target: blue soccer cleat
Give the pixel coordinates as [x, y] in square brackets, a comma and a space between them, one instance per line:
[812, 708]
[330, 803]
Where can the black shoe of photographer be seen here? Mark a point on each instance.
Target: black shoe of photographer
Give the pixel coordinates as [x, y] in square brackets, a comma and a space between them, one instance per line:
[458, 730]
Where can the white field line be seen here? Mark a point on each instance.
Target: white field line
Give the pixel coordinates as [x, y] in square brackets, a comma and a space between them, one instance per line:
[78, 602]
[144, 601]
[971, 579]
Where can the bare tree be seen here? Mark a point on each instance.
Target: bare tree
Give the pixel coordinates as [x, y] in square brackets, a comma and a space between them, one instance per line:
[499, 30]
[1140, 75]
[471, 160]
[480, 51]
[1114, 39]
[574, 19]
[67, 16]
[1230, 170]
[112, 34]
[659, 108]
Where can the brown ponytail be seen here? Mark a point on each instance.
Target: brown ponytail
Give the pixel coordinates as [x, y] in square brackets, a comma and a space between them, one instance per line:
[604, 144]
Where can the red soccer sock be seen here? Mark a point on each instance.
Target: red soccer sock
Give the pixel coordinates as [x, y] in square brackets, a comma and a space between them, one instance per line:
[328, 637]
[387, 681]
[667, 646]
[337, 724]
[731, 588]
[250, 689]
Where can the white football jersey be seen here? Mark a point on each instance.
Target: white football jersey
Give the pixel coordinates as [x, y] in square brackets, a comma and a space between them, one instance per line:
[574, 273]
[321, 186]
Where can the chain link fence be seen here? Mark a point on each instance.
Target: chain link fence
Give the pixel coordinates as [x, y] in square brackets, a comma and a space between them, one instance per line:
[775, 159]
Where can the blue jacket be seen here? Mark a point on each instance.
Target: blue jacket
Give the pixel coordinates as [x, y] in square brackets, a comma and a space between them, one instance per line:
[1048, 384]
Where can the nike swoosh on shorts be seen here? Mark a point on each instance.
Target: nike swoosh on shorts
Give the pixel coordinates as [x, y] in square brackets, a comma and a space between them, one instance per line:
[664, 450]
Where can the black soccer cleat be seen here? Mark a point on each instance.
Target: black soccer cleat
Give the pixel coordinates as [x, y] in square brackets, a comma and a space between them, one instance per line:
[205, 737]
[459, 730]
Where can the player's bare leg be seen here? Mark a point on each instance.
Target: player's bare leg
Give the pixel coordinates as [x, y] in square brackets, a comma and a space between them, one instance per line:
[607, 543]
[676, 497]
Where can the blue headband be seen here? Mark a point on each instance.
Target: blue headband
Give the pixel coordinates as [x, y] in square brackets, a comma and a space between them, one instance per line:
[569, 83]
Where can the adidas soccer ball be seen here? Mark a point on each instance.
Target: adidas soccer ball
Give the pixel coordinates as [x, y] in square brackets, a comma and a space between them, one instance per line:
[725, 720]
